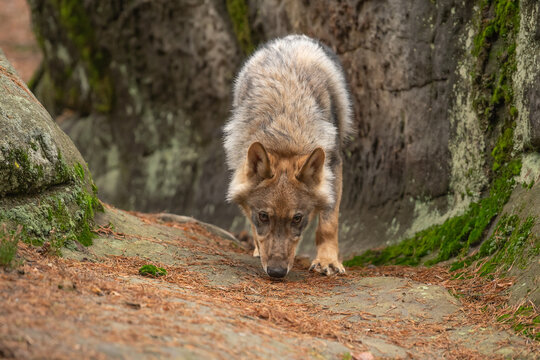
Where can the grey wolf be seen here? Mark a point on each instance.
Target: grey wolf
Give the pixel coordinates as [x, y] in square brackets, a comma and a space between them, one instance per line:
[291, 114]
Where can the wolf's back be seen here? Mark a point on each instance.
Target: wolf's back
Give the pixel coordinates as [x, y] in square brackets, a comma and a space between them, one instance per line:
[291, 95]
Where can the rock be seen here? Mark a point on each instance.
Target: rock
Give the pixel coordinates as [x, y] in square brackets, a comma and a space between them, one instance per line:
[166, 217]
[525, 203]
[34, 153]
[527, 79]
[45, 185]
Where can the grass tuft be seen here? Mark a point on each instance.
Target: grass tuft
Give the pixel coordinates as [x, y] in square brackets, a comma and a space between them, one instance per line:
[8, 245]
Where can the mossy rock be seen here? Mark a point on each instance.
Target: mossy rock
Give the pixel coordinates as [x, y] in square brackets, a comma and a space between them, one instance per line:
[494, 56]
[34, 153]
[45, 185]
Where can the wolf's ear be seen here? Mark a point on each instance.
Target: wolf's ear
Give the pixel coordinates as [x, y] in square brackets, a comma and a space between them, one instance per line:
[258, 162]
[311, 172]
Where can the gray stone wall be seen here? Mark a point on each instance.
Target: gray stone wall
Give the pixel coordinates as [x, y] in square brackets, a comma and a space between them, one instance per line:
[147, 85]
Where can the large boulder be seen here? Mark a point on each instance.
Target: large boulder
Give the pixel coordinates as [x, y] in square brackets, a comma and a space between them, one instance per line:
[45, 185]
[34, 153]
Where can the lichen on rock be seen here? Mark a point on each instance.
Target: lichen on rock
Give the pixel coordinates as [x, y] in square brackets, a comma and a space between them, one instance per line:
[527, 78]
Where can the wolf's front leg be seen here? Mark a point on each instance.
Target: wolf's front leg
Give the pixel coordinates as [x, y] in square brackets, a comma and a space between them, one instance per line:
[326, 237]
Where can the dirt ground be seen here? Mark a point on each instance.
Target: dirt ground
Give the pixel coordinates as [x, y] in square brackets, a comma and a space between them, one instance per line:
[215, 302]
[17, 40]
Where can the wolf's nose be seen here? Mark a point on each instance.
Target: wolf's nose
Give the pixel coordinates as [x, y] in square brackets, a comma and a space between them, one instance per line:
[276, 272]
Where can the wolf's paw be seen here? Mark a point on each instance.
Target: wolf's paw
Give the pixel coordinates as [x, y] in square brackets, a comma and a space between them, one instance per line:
[327, 266]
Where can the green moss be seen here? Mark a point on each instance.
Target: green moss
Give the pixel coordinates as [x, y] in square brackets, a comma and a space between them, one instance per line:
[529, 185]
[8, 245]
[501, 152]
[61, 170]
[504, 23]
[89, 203]
[79, 171]
[513, 112]
[456, 235]
[523, 321]
[152, 270]
[505, 247]
[79, 30]
[19, 172]
[58, 215]
[94, 188]
[494, 49]
[238, 13]
[507, 244]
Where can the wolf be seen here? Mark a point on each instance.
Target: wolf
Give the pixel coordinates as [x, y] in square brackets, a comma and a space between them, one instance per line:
[291, 115]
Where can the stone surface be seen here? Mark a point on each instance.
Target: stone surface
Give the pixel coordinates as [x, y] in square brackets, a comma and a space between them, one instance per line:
[388, 297]
[45, 185]
[527, 79]
[34, 152]
[215, 302]
[525, 203]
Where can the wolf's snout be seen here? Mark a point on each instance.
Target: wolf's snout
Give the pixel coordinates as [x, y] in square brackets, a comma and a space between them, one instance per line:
[277, 272]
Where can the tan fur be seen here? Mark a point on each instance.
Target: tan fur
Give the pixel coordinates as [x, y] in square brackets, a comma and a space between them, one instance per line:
[281, 195]
[326, 237]
[291, 112]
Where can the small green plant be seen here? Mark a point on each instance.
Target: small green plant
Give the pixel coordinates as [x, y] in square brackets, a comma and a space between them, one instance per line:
[8, 245]
[152, 270]
[528, 186]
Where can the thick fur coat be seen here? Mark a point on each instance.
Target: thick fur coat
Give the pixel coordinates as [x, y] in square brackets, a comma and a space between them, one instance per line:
[291, 114]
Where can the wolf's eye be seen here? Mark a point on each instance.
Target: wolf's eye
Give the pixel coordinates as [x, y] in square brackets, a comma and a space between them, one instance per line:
[263, 217]
[296, 219]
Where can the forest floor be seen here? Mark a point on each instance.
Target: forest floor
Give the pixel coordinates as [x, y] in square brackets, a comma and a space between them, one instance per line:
[215, 302]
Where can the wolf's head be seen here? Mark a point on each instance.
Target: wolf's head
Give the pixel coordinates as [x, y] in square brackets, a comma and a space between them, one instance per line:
[279, 193]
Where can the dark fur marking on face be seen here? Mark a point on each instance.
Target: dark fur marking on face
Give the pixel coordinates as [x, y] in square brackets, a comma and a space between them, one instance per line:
[297, 229]
[259, 226]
